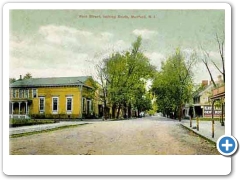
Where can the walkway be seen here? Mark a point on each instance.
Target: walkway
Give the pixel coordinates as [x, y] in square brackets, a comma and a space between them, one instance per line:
[205, 129]
[42, 127]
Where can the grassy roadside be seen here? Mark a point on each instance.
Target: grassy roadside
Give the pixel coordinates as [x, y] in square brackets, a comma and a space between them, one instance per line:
[44, 131]
[198, 134]
[207, 119]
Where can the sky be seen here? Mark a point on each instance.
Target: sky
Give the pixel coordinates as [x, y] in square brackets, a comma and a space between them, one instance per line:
[60, 43]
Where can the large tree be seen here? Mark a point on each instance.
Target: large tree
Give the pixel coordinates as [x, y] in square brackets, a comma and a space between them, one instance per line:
[173, 84]
[142, 100]
[121, 76]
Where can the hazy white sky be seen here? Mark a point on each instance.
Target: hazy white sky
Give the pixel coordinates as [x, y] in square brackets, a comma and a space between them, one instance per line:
[57, 43]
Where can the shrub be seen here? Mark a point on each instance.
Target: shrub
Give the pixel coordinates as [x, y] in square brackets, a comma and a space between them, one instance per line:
[28, 122]
[37, 116]
[151, 112]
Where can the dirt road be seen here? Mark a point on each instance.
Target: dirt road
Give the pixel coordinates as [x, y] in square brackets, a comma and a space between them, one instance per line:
[150, 136]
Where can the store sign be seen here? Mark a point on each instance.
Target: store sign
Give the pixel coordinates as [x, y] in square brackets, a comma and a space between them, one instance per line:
[208, 111]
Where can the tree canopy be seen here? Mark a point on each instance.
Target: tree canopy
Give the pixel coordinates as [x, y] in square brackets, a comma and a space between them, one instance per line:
[173, 84]
[123, 78]
[27, 76]
[12, 80]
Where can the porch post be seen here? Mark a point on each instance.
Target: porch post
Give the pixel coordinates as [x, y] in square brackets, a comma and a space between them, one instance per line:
[26, 107]
[19, 107]
[222, 123]
[194, 112]
[12, 107]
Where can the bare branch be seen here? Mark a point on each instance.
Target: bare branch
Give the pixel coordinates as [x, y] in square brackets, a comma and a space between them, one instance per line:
[205, 61]
[216, 66]
[206, 64]
[221, 52]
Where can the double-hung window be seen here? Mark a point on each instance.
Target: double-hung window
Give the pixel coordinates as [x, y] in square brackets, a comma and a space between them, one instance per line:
[41, 104]
[26, 93]
[34, 93]
[89, 104]
[14, 93]
[69, 104]
[83, 104]
[55, 102]
[21, 93]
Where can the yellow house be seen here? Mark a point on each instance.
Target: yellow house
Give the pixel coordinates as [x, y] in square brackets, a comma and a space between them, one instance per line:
[57, 97]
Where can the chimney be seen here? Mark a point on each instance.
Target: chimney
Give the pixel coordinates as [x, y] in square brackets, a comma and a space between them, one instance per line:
[204, 83]
[20, 77]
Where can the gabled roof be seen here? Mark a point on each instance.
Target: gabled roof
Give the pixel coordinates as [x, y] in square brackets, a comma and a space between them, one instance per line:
[52, 81]
[200, 91]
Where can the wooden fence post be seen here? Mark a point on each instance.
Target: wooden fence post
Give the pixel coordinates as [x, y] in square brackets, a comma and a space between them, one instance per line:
[197, 124]
[213, 118]
[190, 121]
[212, 128]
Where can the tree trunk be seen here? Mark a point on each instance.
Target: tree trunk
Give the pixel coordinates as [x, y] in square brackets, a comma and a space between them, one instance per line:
[125, 110]
[114, 111]
[118, 112]
[105, 110]
[180, 112]
[129, 111]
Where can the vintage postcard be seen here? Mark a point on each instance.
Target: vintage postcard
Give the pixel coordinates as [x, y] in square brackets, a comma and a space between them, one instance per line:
[106, 79]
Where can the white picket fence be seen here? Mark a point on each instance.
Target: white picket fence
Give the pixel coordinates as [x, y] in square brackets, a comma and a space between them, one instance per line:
[19, 116]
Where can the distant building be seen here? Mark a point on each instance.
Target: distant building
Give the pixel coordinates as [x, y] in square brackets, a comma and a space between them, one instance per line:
[201, 105]
[57, 97]
[218, 97]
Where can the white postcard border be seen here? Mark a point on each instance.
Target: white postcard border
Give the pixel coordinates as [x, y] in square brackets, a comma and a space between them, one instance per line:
[113, 165]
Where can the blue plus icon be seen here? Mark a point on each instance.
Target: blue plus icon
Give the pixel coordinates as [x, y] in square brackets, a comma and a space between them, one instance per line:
[227, 145]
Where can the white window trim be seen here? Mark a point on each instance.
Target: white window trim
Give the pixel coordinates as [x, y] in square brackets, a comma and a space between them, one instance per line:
[84, 104]
[55, 111]
[22, 93]
[26, 93]
[16, 93]
[42, 111]
[90, 105]
[69, 111]
[11, 93]
[36, 93]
